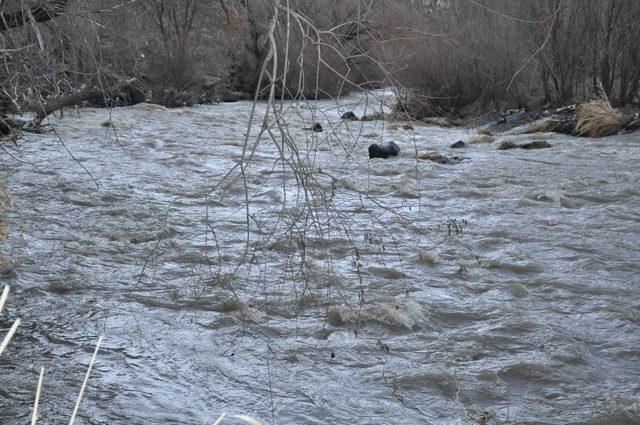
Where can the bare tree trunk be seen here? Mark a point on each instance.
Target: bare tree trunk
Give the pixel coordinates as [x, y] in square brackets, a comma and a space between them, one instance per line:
[74, 99]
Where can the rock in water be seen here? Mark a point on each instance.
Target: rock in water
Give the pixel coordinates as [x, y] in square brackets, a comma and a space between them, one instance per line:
[224, 94]
[349, 116]
[383, 151]
[316, 127]
[633, 125]
[458, 145]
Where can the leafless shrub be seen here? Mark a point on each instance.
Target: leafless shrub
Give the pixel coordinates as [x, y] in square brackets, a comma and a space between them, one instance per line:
[467, 56]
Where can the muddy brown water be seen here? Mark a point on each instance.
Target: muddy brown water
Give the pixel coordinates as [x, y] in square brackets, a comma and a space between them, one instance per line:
[503, 289]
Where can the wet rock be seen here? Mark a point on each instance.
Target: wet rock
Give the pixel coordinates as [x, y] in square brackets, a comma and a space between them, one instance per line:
[633, 125]
[349, 116]
[512, 116]
[557, 124]
[407, 127]
[316, 127]
[538, 144]
[383, 151]
[458, 145]
[7, 273]
[441, 159]
[224, 94]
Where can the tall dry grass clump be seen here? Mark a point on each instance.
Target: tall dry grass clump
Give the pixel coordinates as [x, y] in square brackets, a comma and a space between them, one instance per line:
[598, 119]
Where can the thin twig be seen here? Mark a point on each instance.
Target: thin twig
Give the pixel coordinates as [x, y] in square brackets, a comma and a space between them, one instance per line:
[4, 296]
[84, 383]
[34, 415]
[8, 337]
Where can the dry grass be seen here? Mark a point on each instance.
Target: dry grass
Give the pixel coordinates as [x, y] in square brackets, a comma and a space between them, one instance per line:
[431, 157]
[479, 139]
[376, 116]
[544, 126]
[440, 121]
[598, 119]
[507, 144]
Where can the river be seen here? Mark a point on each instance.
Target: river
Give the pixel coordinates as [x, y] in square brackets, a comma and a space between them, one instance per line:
[503, 289]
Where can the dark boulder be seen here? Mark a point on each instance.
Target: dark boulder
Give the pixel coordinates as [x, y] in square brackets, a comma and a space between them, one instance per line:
[317, 127]
[133, 95]
[349, 116]
[458, 145]
[633, 125]
[224, 93]
[383, 151]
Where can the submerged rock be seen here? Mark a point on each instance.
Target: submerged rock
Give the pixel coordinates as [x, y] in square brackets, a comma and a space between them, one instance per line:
[349, 116]
[383, 151]
[458, 145]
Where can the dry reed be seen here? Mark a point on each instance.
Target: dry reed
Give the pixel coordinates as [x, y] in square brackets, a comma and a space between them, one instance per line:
[598, 119]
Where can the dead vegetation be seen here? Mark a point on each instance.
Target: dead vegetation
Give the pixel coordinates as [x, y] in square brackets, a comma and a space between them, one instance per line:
[506, 145]
[598, 119]
[512, 144]
[505, 54]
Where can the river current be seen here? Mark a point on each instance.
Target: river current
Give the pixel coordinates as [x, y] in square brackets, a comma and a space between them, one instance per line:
[501, 289]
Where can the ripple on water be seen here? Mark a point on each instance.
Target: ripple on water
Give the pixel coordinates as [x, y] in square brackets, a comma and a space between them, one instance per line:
[530, 314]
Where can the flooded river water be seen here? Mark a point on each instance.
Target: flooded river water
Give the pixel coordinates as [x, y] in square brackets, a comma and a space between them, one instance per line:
[503, 289]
